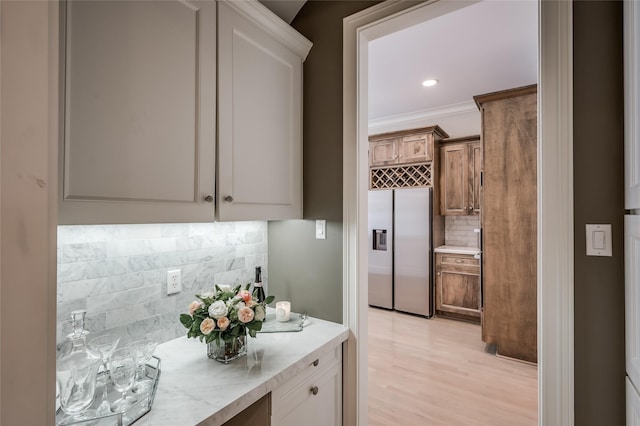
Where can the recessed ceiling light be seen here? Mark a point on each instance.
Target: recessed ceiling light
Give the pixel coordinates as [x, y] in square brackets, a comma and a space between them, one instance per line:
[429, 83]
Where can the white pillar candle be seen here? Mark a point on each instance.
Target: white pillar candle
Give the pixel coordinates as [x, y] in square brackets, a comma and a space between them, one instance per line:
[283, 310]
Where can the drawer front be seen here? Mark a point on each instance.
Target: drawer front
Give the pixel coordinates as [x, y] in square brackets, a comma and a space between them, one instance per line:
[321, 363]
[459, 260]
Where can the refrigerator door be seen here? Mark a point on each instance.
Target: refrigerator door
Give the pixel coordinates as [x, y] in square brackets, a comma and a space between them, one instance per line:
[412, 255]
[380, 230]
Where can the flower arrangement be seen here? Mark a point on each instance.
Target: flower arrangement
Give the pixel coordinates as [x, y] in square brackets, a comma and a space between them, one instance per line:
[224, 314]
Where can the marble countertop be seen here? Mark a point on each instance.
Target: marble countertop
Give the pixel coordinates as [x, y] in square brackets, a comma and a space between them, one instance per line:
[193, 388]
[457, 250]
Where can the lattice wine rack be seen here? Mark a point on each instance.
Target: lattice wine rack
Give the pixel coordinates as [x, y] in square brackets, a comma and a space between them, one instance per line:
[405, 176]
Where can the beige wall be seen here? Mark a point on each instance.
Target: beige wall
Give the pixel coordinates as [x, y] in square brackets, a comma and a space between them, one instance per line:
[302, 269]
[598, 198]
[28, 154]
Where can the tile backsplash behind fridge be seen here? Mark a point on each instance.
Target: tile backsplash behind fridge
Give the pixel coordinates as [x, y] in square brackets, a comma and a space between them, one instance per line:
[458, 231]
[118, 273]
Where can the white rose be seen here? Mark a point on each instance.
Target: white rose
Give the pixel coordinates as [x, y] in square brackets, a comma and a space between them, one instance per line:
[239, 305]
[218, 309]
[207, 295]
[260, 313]
[224, 287]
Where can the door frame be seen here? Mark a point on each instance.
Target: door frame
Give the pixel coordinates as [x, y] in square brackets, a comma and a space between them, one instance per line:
[555, 254]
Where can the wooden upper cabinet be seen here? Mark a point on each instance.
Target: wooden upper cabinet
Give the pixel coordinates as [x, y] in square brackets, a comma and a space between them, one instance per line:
[460, 167]
[404, 147]
[384, 152]
[260, 114]
[138, 142]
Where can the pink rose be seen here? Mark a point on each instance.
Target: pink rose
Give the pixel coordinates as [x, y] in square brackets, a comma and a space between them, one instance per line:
[223, 323]
[194, 306]
[245, 314]
[244, 295]
[207, 326]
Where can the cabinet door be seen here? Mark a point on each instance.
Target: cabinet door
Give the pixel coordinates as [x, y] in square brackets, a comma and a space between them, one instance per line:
[453, 179]
[459, 292]
[383, 152]
[416, 148]
[316, 402]
[139, 131]
[260, 121]
[632, 104]
[475, 168]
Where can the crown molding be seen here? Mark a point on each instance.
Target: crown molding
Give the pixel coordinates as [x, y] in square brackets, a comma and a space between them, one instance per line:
[411, 118]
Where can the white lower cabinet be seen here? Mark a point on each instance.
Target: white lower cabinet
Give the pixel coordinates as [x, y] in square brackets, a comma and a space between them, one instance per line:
[313, 397]
[633, 405]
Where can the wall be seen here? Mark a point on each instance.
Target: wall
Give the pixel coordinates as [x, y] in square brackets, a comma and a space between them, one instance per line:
[305, 270]
[598, 198]
[458, 231]
[599, 288]
[118, 273]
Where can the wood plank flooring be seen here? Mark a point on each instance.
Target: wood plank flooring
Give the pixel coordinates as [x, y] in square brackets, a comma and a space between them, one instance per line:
[429, 372]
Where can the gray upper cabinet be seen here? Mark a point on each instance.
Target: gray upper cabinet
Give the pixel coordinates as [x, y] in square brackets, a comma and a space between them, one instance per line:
[260, 114]
[140, 112]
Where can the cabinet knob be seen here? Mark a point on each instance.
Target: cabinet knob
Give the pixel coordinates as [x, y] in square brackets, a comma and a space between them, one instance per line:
[314, 390]
[316, 362]
[208, 199]
[228, 199]
[438, 273]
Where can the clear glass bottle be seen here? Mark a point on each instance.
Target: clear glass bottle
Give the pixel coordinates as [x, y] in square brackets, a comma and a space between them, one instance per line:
[76, 372]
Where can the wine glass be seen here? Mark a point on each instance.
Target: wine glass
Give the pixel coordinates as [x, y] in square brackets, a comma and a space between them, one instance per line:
[123, 372]
[106, 345]
[144, 350]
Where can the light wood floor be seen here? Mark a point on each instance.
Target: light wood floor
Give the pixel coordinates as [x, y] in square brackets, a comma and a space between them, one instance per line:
[428, 372]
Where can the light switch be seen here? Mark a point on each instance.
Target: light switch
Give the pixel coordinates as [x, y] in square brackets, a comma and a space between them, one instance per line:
[321, 229]
[599, 240]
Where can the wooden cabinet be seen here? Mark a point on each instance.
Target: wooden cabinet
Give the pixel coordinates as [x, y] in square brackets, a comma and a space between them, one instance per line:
[138, 141]
[404, 147]
[260, 114]
[457, 292]
[509, 221]
[313, 397]
[460, 167]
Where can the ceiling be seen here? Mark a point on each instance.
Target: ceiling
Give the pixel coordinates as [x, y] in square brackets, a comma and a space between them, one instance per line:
[485, 47]
[488, 46]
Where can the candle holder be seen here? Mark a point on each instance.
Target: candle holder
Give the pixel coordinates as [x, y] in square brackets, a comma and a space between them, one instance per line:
[283, 311]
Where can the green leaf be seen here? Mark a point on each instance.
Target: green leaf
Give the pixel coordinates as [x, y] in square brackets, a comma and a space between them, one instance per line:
[252, 333]
[186, 320]
[269, 300]
[254, 325]
[248, 286]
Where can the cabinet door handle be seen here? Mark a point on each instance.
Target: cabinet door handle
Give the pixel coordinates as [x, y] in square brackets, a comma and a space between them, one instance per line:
[316, 362]
[314, 390]
[208, 199]
[228, 199]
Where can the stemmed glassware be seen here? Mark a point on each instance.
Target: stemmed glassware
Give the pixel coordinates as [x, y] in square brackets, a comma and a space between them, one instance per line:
[106, 345]
[123, 371]
[144, 350]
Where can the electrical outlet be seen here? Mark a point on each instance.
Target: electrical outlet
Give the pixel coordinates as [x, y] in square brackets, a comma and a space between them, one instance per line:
[174, 284]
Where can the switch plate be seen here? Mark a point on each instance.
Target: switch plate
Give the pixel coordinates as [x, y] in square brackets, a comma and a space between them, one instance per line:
[599, 240]
[321, 229]
[174, 283]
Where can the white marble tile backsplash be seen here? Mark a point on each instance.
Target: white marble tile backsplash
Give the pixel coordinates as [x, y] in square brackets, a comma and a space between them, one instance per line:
[118, 272]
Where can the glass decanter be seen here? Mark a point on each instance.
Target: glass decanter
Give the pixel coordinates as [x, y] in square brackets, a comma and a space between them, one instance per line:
[76, 373]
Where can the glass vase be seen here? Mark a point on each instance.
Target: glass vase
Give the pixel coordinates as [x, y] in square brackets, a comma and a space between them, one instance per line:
[226, 351]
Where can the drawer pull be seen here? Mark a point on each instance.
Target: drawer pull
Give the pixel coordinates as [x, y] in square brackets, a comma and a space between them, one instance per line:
[314, 390]
[316, 362]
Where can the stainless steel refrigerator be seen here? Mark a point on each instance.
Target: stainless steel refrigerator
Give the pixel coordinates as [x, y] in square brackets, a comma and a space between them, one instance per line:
[400, 250]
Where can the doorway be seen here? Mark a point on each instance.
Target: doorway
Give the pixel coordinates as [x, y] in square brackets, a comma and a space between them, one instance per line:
[555, 214]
